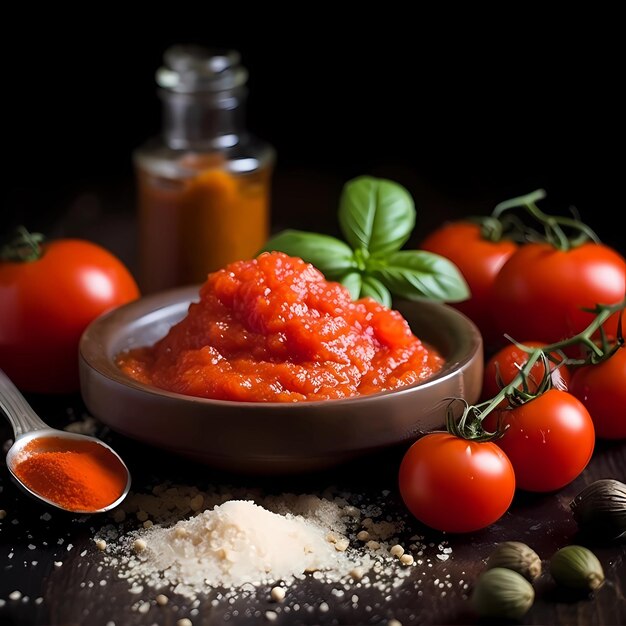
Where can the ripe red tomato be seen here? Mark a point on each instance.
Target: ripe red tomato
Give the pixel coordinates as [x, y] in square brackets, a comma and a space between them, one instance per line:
[549, 440]
[479, 260]
[602, 389]
[540, 291]
[455, 485]
[46, 304]
[510, 359]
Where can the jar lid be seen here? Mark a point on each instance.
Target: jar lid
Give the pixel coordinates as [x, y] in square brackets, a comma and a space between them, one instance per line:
[193, 69]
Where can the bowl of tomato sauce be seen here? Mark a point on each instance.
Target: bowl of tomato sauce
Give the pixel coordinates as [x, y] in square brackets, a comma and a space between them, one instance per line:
[267, 367]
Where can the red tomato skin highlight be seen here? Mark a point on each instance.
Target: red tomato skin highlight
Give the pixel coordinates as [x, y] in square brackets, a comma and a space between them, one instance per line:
[602, 389]
[540, 292]
[479, 261]
[46, 304]
[455, 485]
[549, 440]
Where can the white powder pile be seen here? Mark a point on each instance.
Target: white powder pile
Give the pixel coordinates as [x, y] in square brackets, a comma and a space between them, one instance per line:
[229, 541]
[235, 543]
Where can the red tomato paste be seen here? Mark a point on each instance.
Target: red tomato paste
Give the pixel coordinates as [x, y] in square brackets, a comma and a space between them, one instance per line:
[272, 329]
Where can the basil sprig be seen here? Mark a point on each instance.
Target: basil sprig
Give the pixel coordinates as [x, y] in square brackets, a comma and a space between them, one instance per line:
[376, 217]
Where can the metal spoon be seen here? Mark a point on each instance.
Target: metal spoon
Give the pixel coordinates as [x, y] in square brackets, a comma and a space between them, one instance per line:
[28, 426]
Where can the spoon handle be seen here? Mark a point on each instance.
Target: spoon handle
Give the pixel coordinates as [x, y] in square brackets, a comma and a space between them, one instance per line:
[14, 405]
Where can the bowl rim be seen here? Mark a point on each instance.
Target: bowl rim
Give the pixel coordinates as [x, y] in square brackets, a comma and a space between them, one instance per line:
[93, 354]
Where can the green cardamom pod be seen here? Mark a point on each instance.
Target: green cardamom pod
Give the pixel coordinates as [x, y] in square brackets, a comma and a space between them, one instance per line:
[577, 567]
[601, 508]
[502, 593]
[518, 557]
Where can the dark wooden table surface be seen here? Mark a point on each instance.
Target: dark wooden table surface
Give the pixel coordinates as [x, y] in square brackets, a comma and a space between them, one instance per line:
[85, 591]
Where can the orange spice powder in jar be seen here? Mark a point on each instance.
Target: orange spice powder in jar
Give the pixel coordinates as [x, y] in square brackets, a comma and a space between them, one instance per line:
[199, 220]
[272, 329]
[203, 184]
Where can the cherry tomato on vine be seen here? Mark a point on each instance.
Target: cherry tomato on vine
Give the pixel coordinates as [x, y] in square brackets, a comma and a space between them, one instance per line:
[508, 361]
[479, 260]
[602, 389]
[47, 302]
[456, 485]
[549, 440]
[540, 292]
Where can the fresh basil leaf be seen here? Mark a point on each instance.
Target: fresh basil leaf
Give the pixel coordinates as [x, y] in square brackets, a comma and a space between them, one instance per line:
[328, 254]
[417, 274]
[353, 283]
[376, 214]
[373, 288]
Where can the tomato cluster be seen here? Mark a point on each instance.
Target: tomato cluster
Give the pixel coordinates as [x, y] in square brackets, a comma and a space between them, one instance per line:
[536, 426]
[532, 291]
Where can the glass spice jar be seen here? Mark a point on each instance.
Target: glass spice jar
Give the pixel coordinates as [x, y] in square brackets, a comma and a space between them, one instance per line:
[204, 184]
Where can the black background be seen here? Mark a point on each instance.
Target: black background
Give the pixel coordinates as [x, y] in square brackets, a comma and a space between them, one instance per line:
[464, 109]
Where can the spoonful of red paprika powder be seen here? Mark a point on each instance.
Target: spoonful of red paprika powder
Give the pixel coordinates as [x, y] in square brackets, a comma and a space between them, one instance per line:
[72, 472]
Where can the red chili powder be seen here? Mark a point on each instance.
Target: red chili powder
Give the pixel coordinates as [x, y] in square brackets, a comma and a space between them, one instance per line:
[272, 329]
[78, 475]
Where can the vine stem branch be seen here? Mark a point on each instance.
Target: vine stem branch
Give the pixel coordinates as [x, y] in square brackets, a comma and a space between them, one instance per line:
[469, 425]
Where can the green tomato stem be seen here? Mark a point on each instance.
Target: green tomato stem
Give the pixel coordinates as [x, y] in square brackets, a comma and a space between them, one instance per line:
[469, 425]
[24, 247]
[520, 201]
[553, 226]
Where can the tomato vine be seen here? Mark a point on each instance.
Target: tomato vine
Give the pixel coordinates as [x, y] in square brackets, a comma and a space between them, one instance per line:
[470, 424]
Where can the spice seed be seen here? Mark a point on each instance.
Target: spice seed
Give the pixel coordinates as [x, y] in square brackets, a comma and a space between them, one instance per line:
[3, 513]
[342, 545]
[406, 559]
[185, 621]
[363, 535]
[357, 573]
[396, 550]
[101, 544]
[162, 599]
[139, 545]
[197, 502]
[277, 594]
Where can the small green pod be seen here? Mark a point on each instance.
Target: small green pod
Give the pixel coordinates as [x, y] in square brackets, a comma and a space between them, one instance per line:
[518, 557]
[577, 567]
[503, 593]
[600, 509]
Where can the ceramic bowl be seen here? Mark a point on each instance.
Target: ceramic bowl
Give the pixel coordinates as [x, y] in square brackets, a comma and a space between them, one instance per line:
[271, 437]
